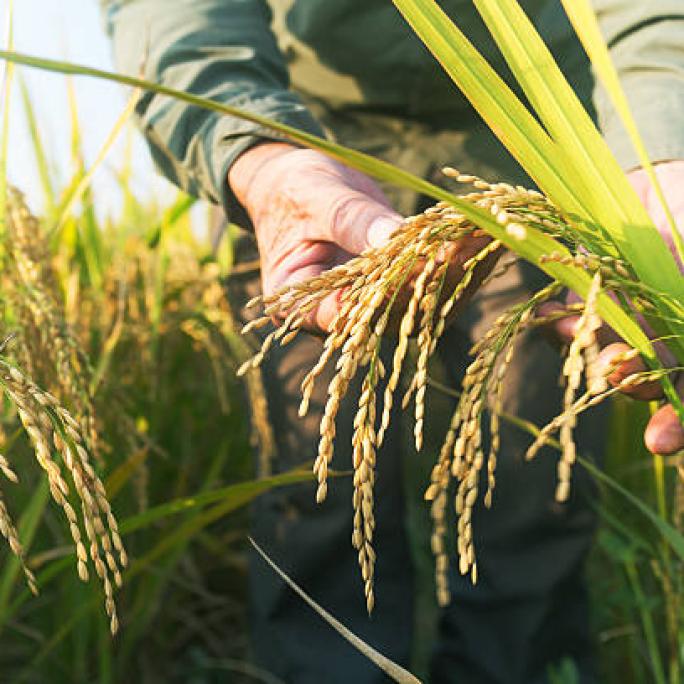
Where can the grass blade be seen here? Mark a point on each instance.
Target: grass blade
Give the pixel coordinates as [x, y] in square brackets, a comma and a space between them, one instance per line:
[233, 496]
[391, 669]
[646, 623]
[615, 206]
[178, 210]
[90, 241]
[86, 178]
[583, 19]
[496, 103]
[670, 533]
[28, 526]
[124, 472]
[38, 149]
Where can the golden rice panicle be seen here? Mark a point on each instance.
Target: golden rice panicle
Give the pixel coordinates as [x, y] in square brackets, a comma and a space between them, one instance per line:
[428, 307]
[496, 404]
[51, 348]
[363, 460]
[575, 364]
[11, 535]
[462, 456]
[469, 269]
[29, 249]
[586, 401]
[430, 330]
[353, 355]
[611, 268]
[405, 329]
[437, 495]
[450, 464]
[340, 328]
[52, 429]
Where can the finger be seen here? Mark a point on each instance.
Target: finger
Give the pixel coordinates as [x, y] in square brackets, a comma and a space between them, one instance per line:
[665, 432]
[563, 328]
[609, 361]
[319, 320]
[357, 222]
[670, 175]
[326, 312]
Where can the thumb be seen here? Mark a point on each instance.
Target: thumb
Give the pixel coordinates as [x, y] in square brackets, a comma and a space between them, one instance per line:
[665, 432]
[359, 222]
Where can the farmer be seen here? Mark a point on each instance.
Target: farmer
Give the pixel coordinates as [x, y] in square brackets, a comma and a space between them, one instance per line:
[358, 74]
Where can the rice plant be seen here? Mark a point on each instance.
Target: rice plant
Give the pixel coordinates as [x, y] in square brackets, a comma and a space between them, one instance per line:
[422, 250]
[594, 233]
[163, 350]
[119, 347]
[43, 337]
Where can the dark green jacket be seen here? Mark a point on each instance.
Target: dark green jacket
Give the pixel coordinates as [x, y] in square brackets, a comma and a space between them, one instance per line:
[361, 53]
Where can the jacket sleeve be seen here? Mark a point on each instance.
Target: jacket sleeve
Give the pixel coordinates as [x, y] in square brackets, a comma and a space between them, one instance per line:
[219, 49]
[646, 41]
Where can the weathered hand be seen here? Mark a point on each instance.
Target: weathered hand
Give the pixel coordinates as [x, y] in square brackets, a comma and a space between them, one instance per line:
[311, 213]
[664, 433]
[671, 177]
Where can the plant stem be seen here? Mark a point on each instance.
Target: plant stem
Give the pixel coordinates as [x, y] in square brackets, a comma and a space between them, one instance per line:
[646, 622]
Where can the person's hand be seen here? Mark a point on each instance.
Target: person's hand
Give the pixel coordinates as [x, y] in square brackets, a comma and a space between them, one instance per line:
[311, 213]
[664, 433]
[671, 178]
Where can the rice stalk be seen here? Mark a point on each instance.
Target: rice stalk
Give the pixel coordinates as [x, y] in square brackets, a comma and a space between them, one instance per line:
[60, 447]
[219, 313]
[48, 346]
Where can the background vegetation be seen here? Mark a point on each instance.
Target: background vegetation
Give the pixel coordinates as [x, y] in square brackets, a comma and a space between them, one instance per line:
[143, 295]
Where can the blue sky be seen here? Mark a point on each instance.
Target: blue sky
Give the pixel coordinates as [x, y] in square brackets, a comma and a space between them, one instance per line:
[71, 29]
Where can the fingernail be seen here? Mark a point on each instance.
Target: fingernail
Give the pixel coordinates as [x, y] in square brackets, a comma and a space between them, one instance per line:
[381, 229]
[665, 434]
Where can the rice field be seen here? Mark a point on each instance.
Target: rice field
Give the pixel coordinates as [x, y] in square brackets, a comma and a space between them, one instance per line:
[128, 459]
[119, 387]
[126, 328]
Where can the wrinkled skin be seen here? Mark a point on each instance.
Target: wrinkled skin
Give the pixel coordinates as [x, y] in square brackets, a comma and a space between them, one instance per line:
[311, 213]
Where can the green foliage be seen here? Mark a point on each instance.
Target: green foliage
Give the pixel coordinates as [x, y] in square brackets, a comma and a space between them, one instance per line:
[636, 575]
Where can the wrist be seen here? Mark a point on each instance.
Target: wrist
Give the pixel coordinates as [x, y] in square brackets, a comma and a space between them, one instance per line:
[244, 171]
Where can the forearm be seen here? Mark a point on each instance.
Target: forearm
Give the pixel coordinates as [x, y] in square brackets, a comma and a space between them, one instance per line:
[646, 41]
[220, 49]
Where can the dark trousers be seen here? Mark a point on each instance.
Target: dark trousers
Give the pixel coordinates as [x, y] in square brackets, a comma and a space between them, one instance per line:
[529, 609]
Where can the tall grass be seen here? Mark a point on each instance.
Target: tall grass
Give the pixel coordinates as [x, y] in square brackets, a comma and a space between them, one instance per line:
[155, 348]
